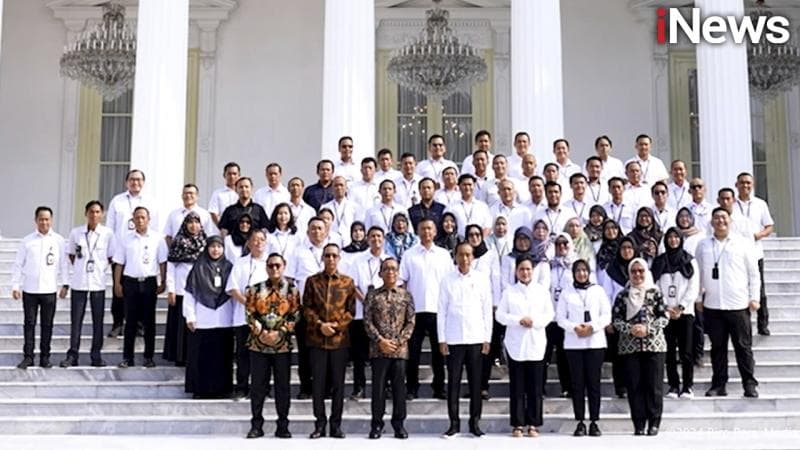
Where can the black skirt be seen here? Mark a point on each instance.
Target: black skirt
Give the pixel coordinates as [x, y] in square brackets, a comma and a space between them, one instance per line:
[176, 334]
[209, 367]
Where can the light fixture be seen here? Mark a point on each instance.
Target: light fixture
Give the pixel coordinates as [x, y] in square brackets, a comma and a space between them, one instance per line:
[772, 68]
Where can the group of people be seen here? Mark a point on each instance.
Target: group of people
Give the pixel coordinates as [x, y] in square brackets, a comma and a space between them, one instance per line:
[493, 263]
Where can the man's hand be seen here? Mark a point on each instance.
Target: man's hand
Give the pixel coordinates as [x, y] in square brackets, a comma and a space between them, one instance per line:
[386, 346]
[610, 329]
[443, 349]
[526, 322]
[485, 348]
[190, 326]
[639, 330]
[16, 295]
[62, 293]
[272, 338]
[754, 306]
[698, 306]
[161, 288]
[171, 299]
[118, 291]
[327, 329]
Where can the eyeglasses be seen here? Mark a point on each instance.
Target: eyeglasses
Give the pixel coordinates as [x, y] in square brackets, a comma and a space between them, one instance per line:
[696, 186]
[274, 266]
[389, 269]
[638, 271]
[330, 255]
[660, 192]
[562, 243]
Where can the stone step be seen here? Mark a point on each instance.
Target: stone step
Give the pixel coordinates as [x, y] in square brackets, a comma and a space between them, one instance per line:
[784, 274]
[13, 316]
[779, 311]
[62, 327]
[784, 299]
[781, 253]
[60, 344]
[781, 263]
[783, 287]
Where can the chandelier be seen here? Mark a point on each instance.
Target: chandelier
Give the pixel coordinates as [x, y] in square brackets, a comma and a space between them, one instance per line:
[772, 68]
[105, 57]
[437, 64]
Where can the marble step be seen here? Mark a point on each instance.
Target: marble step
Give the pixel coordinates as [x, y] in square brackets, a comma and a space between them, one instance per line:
[7, 302]
[62, 328]
[12, 316]
[783, 274]
[777, 263]
[61, 343]
[784, 299]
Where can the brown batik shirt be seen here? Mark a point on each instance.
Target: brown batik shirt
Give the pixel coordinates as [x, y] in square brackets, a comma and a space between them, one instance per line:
[329, 298]
[272, 308]
[389, 314]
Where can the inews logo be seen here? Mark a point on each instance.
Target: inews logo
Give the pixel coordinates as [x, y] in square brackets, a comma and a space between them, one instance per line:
[670, 24]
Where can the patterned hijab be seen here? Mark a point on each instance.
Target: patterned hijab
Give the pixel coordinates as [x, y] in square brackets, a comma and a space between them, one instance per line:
[186, 247]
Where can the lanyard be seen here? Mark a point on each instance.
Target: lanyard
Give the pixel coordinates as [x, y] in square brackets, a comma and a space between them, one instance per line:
[658, 215]
[644, 170]
[717, 257]
[583, 207]
[373, 272]
[339, 216]
[89, 246]
[619, 215]
[553, 222]
[468, 215]
[596, 197]
[285, 244]
[683, 192]
[387, 221]
[749, 204]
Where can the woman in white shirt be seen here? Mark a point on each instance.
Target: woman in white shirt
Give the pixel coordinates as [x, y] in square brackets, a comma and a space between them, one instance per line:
[499, 242]
[583, 312]
[525, 310]
[283, 231]
[235, 242]
[560, 281]
[186, 247]
[678, 277]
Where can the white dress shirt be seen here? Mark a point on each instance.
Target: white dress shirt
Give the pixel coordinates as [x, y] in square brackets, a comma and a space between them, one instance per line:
[665, 218]
[205, 318]
[520, 300]
[623, 214]
[637, 196]
[176, 277]
[221, 199]
[119, 216]
[307, 261]
[490, 194]
[556, 219]
[141, 254]
[302, 213]
[422, 270]
[560, 282]
[702, 215]
[349, 170]
[407, 191]
[468, 213]
[391, 174]
[345, 212]
[465, 308]
[596, 194]
[580, 208]
[433, 169]
[613, 167]
[246, 272]
[508, 275]
[269, 198]
[97, 246]
[468, 167]
[514, 164]
[566, 171]
[41, 265]
[570, 313]
[365, 270]
[653, 169]
[283, 243]
[446, 197]
[686, 291]
[516, 215]
[364, 194]
[381, 215]
[232, 251]
[738, 282]
[489, 265]
[756, 211]
[679, 196]
[176, 217]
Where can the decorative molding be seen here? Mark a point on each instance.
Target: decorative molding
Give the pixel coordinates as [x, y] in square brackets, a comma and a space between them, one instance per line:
[393, 33]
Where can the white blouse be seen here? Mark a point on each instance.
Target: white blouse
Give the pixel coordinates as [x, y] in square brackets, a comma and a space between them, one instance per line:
[508, 273]
[176, 277]
[686, 292]
[205, 317]
[570, 312]
[520, 300]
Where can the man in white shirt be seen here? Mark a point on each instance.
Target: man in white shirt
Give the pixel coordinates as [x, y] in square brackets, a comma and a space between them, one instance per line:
[422, 270]
[483, 142]
[550, 173]
[274, 193]
[612, 167]
[140, 276]
[699, 206]
[596, 181]
[382, 214]
[537, 202]
[345, 211]
[407, 185]
[436, 162]
[663, 214]
[522, 142]
[653, 168]
[449, 192]
[489, 193]
[346, 167]
[730, 282]
[555, 216]
[385, 169]
[756, 212]
[679, 195]
[364, 192]
[175, 218]
[464, 325]
[39, 269]
[468, 210]
[516, 215]
[617, 208]
[578, 203]
[301, 211]
[481, 172]
[565, 165]
[739, 224]
[226, 195]
[89, 250]
[637, 194]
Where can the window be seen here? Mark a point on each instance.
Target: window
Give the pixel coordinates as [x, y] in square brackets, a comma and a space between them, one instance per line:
[115, 145]
[412, 122]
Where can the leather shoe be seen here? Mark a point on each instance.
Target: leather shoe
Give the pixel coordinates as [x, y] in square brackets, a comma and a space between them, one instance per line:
[303, 396]
[639, 432]
[283, 433]
[452, 431]
[68, 362]
[375, 433]
[717, 392]
[44, 362]
[115, 332]
[400, 433]
[411, 396]
[255, 433]
[476, 431]
[440, 395]
[652, 430]
[317, 433]
[750, 392]
[357, 394]
[485, 395]
[98, 363]
[764, 331]
[594, 430]
[125, 364]
[580, 430]
[25, 363]
[149, 363]
[337, 433]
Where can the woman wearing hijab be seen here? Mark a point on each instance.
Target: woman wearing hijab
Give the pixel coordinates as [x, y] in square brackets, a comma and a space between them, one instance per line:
[584, 249]
[560, 281]
[676, 274]
[235, 242]
[646, 228]
[283, 238]
[583, 313]
[358, 238]
[542, 245]
[400, 238]
[209, 316]
[639, 316]
[525, 310]
[449, 237]
[607, 252]
[186, 247]
[523, 241]
[692, 235]
[594, 229]
[500, 241]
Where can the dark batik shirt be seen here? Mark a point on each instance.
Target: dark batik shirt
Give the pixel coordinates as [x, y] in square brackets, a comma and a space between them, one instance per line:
[389, 314]
[329, 298]
[653, 314]
[272, 308]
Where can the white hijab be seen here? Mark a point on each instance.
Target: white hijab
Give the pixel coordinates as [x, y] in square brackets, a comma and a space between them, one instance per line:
[636, 294]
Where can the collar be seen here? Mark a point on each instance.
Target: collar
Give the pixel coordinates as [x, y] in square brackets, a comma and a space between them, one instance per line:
[281, 283]
[49, 233]
[331, 276]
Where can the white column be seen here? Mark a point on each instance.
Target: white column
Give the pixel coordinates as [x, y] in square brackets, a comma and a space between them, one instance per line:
[348, 87]
[723, 93]
[537, 94]
[159, 101]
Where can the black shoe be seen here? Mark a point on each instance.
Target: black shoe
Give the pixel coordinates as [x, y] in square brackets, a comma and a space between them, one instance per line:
[116, 332]
[255, 433]
[764, 331]
[452, 431]
[317, 433]
[476, 431]
[68, 362]
[149, 363]
[411, 395]
[440, 395]
[639, 432]
[594, 430]
[621, 393]
[750, 392]
[238, 395]
[580, 430]
[303, 396]
[485, 395]
[98, 363]
[400, 432]
[25, 363]
[717, 392]
[337, 433]
[125, 364]
[44, 362]
[283, 433]
[358, 394]
[652, 430]
[565, 394]
[375, 433]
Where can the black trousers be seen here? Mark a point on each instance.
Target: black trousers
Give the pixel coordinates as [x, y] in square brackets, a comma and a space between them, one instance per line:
[678, 334]
[555, 343]
[240, 334]
[30, 307]
[97, 301]
[763, 312]
[425, 324]
[303, 363]
[698, 334]
[140, 306]
[262, 365]
[498, 332]
[117, 304]
[526, 380]
[586, 367]
[325, 363]
[720, 325]
[395, 370]
[359, 353]
[645, 372]
[460, 355]
[617, 364]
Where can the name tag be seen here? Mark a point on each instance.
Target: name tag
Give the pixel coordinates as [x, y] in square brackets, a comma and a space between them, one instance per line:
[556, 293]
[50, 259]
[217, 281]
[672, 291]
[90, 266]
[131, 225]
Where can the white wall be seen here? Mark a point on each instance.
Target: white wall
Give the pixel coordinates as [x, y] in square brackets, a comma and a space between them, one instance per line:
[30, 113]
[269, 88]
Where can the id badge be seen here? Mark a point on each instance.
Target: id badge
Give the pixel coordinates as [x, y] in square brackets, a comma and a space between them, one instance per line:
[556, 293]
[145, 258]
[672, 291]
[90, 266]
[587, 316]
[217, 281]
[50, 259]
[715, 273]
[131, 225]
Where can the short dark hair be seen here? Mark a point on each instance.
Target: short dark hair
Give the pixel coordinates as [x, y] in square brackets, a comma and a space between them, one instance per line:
[600, 138]
[231, 165]
[324, 161]
[302, 183]
[133, 171]
[276, 255]
[522, 258]
[342, 139]
[380, 186]
[91, 203]
[191, 185]
[631, 162]
[560, 140]
[248, 179]
[548, 165]
[331, 244]
[614, 180]
[575, 176]
[408, 155]
[427, 219]
[274, 164]
[719, 208]
[42, 209]
[744, 174]
[656, 184]
[314, 219]
[376, 228]
[389, 259]
[522, 133]
[434, 136]
[480, 151]
[141, 208]
[427, 179]
[453, 168]
[384, 151]
[593, 158]
[726, 189]
[483, 133]
[466, 176]
[326, 210]
[676, 161]
[369, 160]
[535, 178]
[552, 183]
[643, 136]
[462, 244]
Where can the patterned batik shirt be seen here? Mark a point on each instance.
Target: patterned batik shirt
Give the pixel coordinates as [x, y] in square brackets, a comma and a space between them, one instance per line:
[389, 314]
[329, 298]
[653, 314]
[272, 308]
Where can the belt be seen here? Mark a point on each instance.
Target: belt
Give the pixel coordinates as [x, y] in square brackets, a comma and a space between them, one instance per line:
[138, 279]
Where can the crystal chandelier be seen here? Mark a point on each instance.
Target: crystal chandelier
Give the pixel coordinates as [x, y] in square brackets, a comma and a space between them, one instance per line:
[772, 68]
[104, 58]
[437, 64]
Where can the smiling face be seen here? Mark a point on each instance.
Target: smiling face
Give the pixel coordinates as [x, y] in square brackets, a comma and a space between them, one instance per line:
[637, 271]
[524, 272]
[275, 267]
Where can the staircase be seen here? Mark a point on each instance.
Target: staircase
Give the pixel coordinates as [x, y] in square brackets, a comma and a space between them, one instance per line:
[87, 400]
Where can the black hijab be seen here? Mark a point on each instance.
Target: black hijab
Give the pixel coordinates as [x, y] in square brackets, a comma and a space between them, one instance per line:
[200, 281]
[607, 252]
[618, 269]
[575, 283]
[448, 241]
[480, 249]
[641, 234]
[595, 233]
[357, 246]
[239, 238]
[673, 259]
